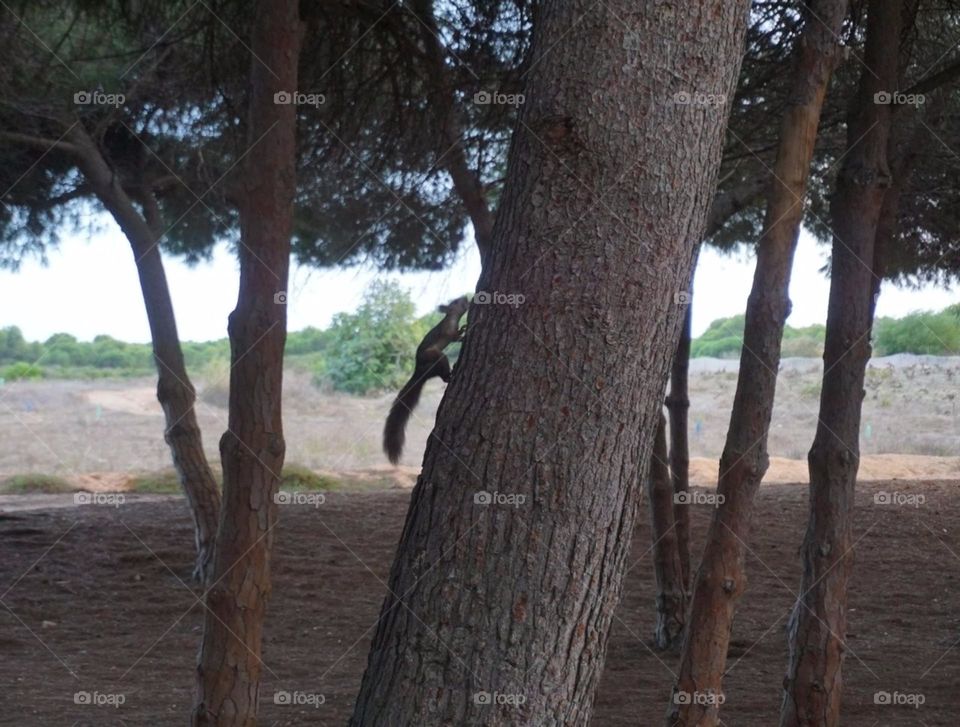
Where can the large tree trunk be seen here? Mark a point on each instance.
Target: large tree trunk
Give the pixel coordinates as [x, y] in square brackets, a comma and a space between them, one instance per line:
[671, 598]
[511, 560]
[819, 620]
[174, 389]
[678, 407]
[252, 449]
[721, 578]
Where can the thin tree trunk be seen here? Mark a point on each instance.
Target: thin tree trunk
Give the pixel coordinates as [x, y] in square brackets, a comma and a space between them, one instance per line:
[819, 621]
[721, 578]
[252, 449]
[466, 181]
[512, 556]
[678, 407]
[174, 389]
[671, 598]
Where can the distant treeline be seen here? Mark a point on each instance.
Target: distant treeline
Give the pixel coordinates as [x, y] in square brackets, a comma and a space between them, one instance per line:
[372, 348]
[937, 334]
[368, 350]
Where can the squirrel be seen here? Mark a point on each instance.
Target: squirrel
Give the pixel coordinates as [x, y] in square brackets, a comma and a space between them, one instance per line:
[430, 361]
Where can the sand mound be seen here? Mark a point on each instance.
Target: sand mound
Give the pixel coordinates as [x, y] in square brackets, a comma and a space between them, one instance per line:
[703, 471]
[141, 401]
[102, 481]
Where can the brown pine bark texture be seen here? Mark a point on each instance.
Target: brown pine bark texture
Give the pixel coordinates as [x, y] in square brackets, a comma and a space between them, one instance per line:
[818, 625]
[721, 578]
[512, 556]
[671, 601]
[678, 408]
[252, 449]
[175, 391]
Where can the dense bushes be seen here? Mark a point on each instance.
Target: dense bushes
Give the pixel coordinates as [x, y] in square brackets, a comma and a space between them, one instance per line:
[362, 352]
[920, 333]
[723, 339]
[372, 349]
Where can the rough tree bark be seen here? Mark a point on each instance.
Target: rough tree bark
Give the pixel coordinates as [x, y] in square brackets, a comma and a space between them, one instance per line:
[678, 400]
[671, 598]
[512, 556]
[721, 578]
[818, 623]
[252, 449]
[174, 389]
[678, 407]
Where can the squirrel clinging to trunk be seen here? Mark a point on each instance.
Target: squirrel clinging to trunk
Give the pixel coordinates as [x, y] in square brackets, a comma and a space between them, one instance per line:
[431, 361]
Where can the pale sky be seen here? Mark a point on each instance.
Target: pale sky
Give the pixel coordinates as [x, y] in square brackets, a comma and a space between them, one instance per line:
[90, 287]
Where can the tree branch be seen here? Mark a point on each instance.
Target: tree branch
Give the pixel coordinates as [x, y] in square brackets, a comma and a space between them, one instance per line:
[932, 83]
[38, 142]
[727, 204]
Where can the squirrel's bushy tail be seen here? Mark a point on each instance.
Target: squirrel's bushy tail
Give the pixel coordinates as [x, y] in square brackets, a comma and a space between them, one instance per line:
[394, 431]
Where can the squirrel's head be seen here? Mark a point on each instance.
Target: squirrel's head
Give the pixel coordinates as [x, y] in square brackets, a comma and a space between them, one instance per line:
[457, 305]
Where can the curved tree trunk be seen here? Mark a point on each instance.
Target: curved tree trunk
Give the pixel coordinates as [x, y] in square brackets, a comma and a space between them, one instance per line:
[466, 181]
[721, 578]
[252, 449]
[671, 598]
[511, 560]
[678, 407]
[819, 621]
[174, 389]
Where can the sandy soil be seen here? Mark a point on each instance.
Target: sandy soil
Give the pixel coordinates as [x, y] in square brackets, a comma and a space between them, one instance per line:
[97, 601]
[104, 426]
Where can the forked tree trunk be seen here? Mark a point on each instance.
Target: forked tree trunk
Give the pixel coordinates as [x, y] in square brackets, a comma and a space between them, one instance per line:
[174, 389]
[671, 598]
[678, 407]
[721, 578]
[819, 621]
[512, 556]
[252, 449]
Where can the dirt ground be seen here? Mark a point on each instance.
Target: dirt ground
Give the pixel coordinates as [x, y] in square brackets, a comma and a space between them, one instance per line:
[96, 600]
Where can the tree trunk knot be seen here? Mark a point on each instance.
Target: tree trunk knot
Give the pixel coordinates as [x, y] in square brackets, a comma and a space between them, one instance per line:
[728, 585]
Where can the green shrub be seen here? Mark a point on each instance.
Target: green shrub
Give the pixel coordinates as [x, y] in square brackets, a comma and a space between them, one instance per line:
[922, 332]
[21, 370]
[298, 477]
[30, 483]
[164, 482]
[372, 349]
